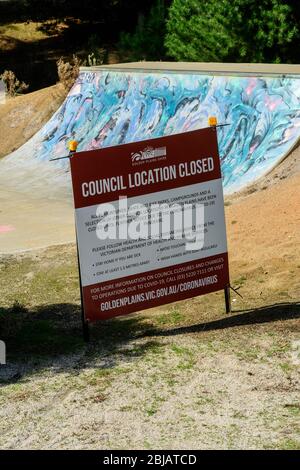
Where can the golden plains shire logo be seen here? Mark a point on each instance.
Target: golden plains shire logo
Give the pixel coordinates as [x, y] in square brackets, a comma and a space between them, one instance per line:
[148, 153]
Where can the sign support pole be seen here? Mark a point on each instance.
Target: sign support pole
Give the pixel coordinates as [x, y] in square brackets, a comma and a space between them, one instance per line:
[85, 325]
[227, 299]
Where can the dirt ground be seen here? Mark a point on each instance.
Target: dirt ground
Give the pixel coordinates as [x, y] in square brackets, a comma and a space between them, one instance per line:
[21, 117]
[182, 376]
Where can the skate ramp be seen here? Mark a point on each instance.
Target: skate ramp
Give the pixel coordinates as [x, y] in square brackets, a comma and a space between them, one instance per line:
[123, 103]
[112, 106]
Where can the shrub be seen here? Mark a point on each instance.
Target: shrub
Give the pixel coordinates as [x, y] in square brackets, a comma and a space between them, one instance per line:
[13, 85]
[147, 41]
[68, 71]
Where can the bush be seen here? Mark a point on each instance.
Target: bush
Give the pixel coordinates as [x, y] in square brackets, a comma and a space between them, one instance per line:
[233, 30]
[13, 85]
[68, 71]
[147, 41]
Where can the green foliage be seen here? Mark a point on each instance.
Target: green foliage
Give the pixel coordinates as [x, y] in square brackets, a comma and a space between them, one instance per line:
[198, 31]
[147, 41]
[233, 30]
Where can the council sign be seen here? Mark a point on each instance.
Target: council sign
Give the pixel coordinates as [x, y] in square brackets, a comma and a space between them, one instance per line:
[150, 223]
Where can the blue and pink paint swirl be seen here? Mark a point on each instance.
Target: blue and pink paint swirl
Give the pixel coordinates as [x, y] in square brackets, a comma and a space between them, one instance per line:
[107, 108]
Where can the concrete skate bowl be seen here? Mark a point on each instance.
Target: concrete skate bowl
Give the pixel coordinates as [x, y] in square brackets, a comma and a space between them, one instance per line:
[123, 103]
[120, 104]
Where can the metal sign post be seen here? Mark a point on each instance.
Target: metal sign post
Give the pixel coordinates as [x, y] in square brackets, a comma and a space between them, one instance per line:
[73, 144]
[85, 325]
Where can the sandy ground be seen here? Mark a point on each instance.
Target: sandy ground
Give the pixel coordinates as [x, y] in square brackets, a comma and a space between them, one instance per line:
[29, 221]
[266, 223]
[23, 116]
[183, 397]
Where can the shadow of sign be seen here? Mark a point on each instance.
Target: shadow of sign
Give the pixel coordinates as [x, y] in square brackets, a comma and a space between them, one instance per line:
[2, 352]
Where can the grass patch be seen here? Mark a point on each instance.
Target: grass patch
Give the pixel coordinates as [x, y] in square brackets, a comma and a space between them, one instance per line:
[203, 400]
[187, 357]
[31, 31]
[240, 281]
[248, 354]
[126, 408]
[293, 409]
[278, 349]
[153, 347]
[286, 367]
[290, 444]
[173, 317]
[180, 350]
[287, 444]
[154, 407]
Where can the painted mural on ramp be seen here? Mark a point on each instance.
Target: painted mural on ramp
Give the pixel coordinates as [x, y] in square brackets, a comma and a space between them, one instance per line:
[109, 107]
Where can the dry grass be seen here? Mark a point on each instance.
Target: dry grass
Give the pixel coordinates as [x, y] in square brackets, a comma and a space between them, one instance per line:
[32, 31]
[68, 71]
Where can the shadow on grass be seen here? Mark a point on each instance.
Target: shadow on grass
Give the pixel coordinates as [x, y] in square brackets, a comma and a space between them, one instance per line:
[52, 334]
[266, 314]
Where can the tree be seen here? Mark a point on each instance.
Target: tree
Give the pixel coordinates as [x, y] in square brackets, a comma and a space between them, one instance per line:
[233, 30]
[147, 41]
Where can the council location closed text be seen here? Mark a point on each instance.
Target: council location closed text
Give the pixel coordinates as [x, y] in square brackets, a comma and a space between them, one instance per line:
[147, 177]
